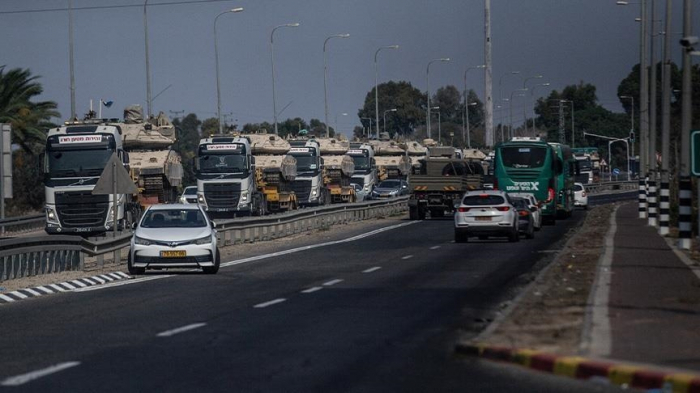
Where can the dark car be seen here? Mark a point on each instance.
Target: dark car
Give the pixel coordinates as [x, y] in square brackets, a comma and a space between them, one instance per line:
[526, 222]
[390, 189]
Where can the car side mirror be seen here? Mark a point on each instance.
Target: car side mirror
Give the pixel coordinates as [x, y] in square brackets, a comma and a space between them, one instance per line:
[533, 208]
[213, 224]
[134, 225]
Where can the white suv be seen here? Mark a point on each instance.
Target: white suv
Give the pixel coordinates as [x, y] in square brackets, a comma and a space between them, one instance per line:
[485, 213]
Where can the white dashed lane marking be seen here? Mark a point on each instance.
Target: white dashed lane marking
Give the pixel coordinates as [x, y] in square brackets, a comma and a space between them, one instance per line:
[435, 247]
[28, 377]
[179, 330]
[332, 282]
[270, 303]
[407, 257]
[312, 290]
[372, 269]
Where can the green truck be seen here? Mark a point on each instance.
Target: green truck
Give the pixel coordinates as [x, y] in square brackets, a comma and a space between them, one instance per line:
[441, 179]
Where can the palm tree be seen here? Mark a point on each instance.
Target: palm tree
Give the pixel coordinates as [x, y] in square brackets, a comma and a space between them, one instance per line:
[29, 120]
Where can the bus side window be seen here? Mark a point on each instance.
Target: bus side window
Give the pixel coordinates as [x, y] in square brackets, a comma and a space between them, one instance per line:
[558, 166]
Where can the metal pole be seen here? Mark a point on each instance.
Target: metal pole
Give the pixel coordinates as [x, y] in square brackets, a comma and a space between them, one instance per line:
[325, 77]
[562, 138]
[488, 75]
[427, 80]
[685, 185]
[272, 57]
[376, 85]
[71, 59]
[665, 192]
[573, 134]
[148, 65]
[469, 137]
[216, 55]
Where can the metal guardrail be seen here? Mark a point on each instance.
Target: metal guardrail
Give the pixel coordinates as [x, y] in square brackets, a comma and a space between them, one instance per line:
[22, 224]
[29, 256]
[599, 188]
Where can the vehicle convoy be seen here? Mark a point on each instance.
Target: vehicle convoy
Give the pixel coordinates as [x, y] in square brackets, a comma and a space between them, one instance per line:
[174, 236]
[275, 171]
[362, 155]
[226, 181]
[308, 185]
[155, 167]
[530, 165]
[75, 156]
[441, 181]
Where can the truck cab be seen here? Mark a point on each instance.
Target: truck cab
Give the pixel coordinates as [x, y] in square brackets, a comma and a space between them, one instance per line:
[308, 184]
[365, 174]
[74, 158]
[225, 171]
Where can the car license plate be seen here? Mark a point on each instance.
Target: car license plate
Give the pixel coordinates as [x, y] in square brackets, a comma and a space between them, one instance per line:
[483, 218]
[173, 254]
[83, 229]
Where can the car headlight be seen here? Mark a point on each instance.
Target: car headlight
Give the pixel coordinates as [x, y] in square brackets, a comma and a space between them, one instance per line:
[366, 188]
[110, 215]
[200, 199]
[203, 240]
[141, 241]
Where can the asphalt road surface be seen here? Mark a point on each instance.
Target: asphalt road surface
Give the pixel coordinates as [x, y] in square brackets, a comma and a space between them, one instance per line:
[378, 312]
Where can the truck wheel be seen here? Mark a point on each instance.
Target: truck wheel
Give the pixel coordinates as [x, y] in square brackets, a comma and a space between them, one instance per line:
[412, 213]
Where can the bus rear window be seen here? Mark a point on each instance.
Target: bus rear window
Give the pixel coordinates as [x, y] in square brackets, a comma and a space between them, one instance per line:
[523, 157]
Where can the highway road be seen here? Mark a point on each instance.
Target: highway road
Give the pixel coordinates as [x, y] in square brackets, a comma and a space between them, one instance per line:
[374, 311]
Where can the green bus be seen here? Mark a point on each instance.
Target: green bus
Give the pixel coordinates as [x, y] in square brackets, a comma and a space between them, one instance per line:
[530, 165]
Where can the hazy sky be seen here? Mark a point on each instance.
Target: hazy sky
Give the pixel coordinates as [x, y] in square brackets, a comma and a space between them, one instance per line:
[566, 41]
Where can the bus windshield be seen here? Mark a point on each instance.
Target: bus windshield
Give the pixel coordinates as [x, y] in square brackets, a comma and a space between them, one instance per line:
[523, 156]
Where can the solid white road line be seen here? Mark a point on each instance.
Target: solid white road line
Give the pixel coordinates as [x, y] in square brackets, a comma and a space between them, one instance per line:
[179, 330]
[24, 378]
[407, 257]
[435, 247]
[332, 282]
[372, 269]
[312, 290]
[270, 303]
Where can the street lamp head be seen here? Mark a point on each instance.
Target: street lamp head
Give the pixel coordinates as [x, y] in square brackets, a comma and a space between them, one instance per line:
[238, 9]
[435, 107]
[292, 25]
[622, 3]
[445, 59]
[544, 84]
[343, 35]
[392, 47]
[392, 110]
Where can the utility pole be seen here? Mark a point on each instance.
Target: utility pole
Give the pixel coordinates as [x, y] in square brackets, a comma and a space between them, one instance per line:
[488, 96]
[665, 192]
[685, 185]
[562, 139]
[643, 111]
[653, 164]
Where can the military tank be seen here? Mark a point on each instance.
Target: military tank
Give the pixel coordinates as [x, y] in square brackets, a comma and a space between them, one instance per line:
[275, 171]
[155, 167]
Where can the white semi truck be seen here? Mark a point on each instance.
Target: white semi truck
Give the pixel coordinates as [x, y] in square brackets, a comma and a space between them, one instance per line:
[309, 185]
[365, 174]
[226, 184]
[75, 156]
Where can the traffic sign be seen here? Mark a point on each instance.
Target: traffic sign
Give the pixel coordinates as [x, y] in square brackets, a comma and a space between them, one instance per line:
[616, 171]
[695, 153]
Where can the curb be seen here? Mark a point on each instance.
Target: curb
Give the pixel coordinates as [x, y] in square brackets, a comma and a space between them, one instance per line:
[66, 286]
[614, 372]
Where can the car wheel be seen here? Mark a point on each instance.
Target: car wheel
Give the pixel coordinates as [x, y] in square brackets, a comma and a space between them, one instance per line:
[217, 263]
[530, 234]
[461, 236]
[134, 270]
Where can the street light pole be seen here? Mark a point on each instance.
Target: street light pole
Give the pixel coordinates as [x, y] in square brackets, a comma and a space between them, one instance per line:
[465, 116]
[388, 110]
[631, 125]
[376, 86]
[148, 65]
[325, 77]
[500, 94]
[272, 57]
[216, 56]
[70, 56]
[427, 83]
[469, 138]
[336, 121]
[437, 108]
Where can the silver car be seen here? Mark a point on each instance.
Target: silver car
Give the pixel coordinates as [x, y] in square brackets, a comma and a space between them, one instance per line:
[174, 236]
[189, 195]
[390, 188]
[485, 213]
[535, 207]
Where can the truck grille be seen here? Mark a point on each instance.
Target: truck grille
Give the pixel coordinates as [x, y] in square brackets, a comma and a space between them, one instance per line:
[80, 209]
[222, 194]
[302, 189]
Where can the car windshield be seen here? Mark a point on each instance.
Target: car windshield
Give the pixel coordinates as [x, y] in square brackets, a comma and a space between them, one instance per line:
[174, 218]
[483, 200]
[519, 203]
[190, 191]
[390, 184]
[578, 187]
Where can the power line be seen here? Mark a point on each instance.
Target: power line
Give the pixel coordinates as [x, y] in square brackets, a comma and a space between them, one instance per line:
[111, 6]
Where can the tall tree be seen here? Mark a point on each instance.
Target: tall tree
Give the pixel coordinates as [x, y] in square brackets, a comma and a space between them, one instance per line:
[408, 101]
[29, 119]
[187, 143]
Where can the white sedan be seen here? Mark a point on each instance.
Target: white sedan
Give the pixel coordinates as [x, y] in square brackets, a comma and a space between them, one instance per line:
[174, 236]
[580, 196]
[486, 213]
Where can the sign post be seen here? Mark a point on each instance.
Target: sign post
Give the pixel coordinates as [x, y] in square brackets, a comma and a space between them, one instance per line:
[115, 180]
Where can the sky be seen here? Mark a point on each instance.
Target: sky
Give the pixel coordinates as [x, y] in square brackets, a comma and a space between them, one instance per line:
[565, 41]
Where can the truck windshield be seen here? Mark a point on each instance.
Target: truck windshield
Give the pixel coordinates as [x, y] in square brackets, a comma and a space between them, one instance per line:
[306, 164]
[523, 157]
[362, 163]
[77, 163]
[222, 163]
[585, 164]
